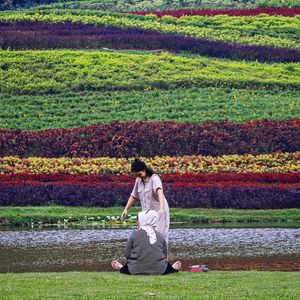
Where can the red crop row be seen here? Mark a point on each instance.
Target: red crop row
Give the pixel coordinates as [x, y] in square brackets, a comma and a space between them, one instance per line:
[253, 178]
[219, 184]
[129, 139]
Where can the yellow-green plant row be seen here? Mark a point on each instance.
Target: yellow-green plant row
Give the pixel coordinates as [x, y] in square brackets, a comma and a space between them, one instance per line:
[39, 72]
[276, 162]
[264, 30]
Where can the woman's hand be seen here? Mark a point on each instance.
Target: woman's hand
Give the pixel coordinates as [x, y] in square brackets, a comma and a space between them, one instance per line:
[124, 214]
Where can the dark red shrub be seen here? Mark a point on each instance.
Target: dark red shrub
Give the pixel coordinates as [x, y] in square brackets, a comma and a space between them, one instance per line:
[140, 138]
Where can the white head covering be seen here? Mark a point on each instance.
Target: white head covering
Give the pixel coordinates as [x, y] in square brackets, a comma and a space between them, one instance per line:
[148, 219]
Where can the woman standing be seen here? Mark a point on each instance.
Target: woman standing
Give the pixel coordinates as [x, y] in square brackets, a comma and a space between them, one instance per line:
[148, 189]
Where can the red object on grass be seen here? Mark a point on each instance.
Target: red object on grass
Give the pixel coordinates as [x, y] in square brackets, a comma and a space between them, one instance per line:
[198, 268]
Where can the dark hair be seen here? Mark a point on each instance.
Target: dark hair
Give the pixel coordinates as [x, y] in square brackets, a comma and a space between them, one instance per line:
[138, 165]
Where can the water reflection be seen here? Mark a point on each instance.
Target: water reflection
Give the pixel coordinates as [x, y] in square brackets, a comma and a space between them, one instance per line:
[93, 249]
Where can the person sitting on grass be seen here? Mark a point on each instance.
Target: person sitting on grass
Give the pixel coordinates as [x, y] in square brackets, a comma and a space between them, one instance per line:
[146, 249]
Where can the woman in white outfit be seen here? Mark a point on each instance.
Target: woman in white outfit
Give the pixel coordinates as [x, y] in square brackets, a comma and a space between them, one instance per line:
[149, 190]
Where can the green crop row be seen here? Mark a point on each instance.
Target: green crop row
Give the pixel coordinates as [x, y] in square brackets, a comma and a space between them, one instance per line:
[263, 30]
[42, 72]
[70, 110]
[123, 5]
[279, 3]
[133, 5]
[243, 23]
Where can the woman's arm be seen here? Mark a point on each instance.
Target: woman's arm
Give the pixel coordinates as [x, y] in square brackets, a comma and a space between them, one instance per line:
[161, 197]
[130, 202]
[158, 189]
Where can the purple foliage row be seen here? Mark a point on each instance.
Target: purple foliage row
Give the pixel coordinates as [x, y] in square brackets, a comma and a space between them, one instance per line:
[188, 197]
[40, 35]
[280, 11]
[128, 139]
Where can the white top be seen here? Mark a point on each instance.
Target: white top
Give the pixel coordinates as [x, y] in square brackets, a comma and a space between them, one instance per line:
[145, 191]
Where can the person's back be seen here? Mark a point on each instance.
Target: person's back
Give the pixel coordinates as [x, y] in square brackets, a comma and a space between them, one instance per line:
[144, 257]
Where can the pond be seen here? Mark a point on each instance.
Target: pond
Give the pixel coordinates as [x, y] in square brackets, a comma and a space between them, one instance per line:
[48, 250]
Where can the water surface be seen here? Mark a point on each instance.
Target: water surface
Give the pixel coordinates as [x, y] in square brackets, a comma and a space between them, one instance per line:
[93, 249]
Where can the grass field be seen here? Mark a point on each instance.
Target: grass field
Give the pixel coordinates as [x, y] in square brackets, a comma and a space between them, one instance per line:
[109, 285]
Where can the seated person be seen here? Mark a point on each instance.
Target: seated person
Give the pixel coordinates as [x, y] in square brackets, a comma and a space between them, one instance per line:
[146, 250]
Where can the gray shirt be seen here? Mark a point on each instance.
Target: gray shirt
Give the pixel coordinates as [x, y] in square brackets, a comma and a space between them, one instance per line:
[143, 257]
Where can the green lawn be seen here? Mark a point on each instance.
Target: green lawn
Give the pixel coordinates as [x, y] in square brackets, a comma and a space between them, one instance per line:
[109, 285]
[78, 215]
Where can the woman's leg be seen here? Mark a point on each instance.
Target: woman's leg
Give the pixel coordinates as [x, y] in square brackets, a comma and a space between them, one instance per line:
[125, 270]
[118, 266]
[177, 265]
[173, 268]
